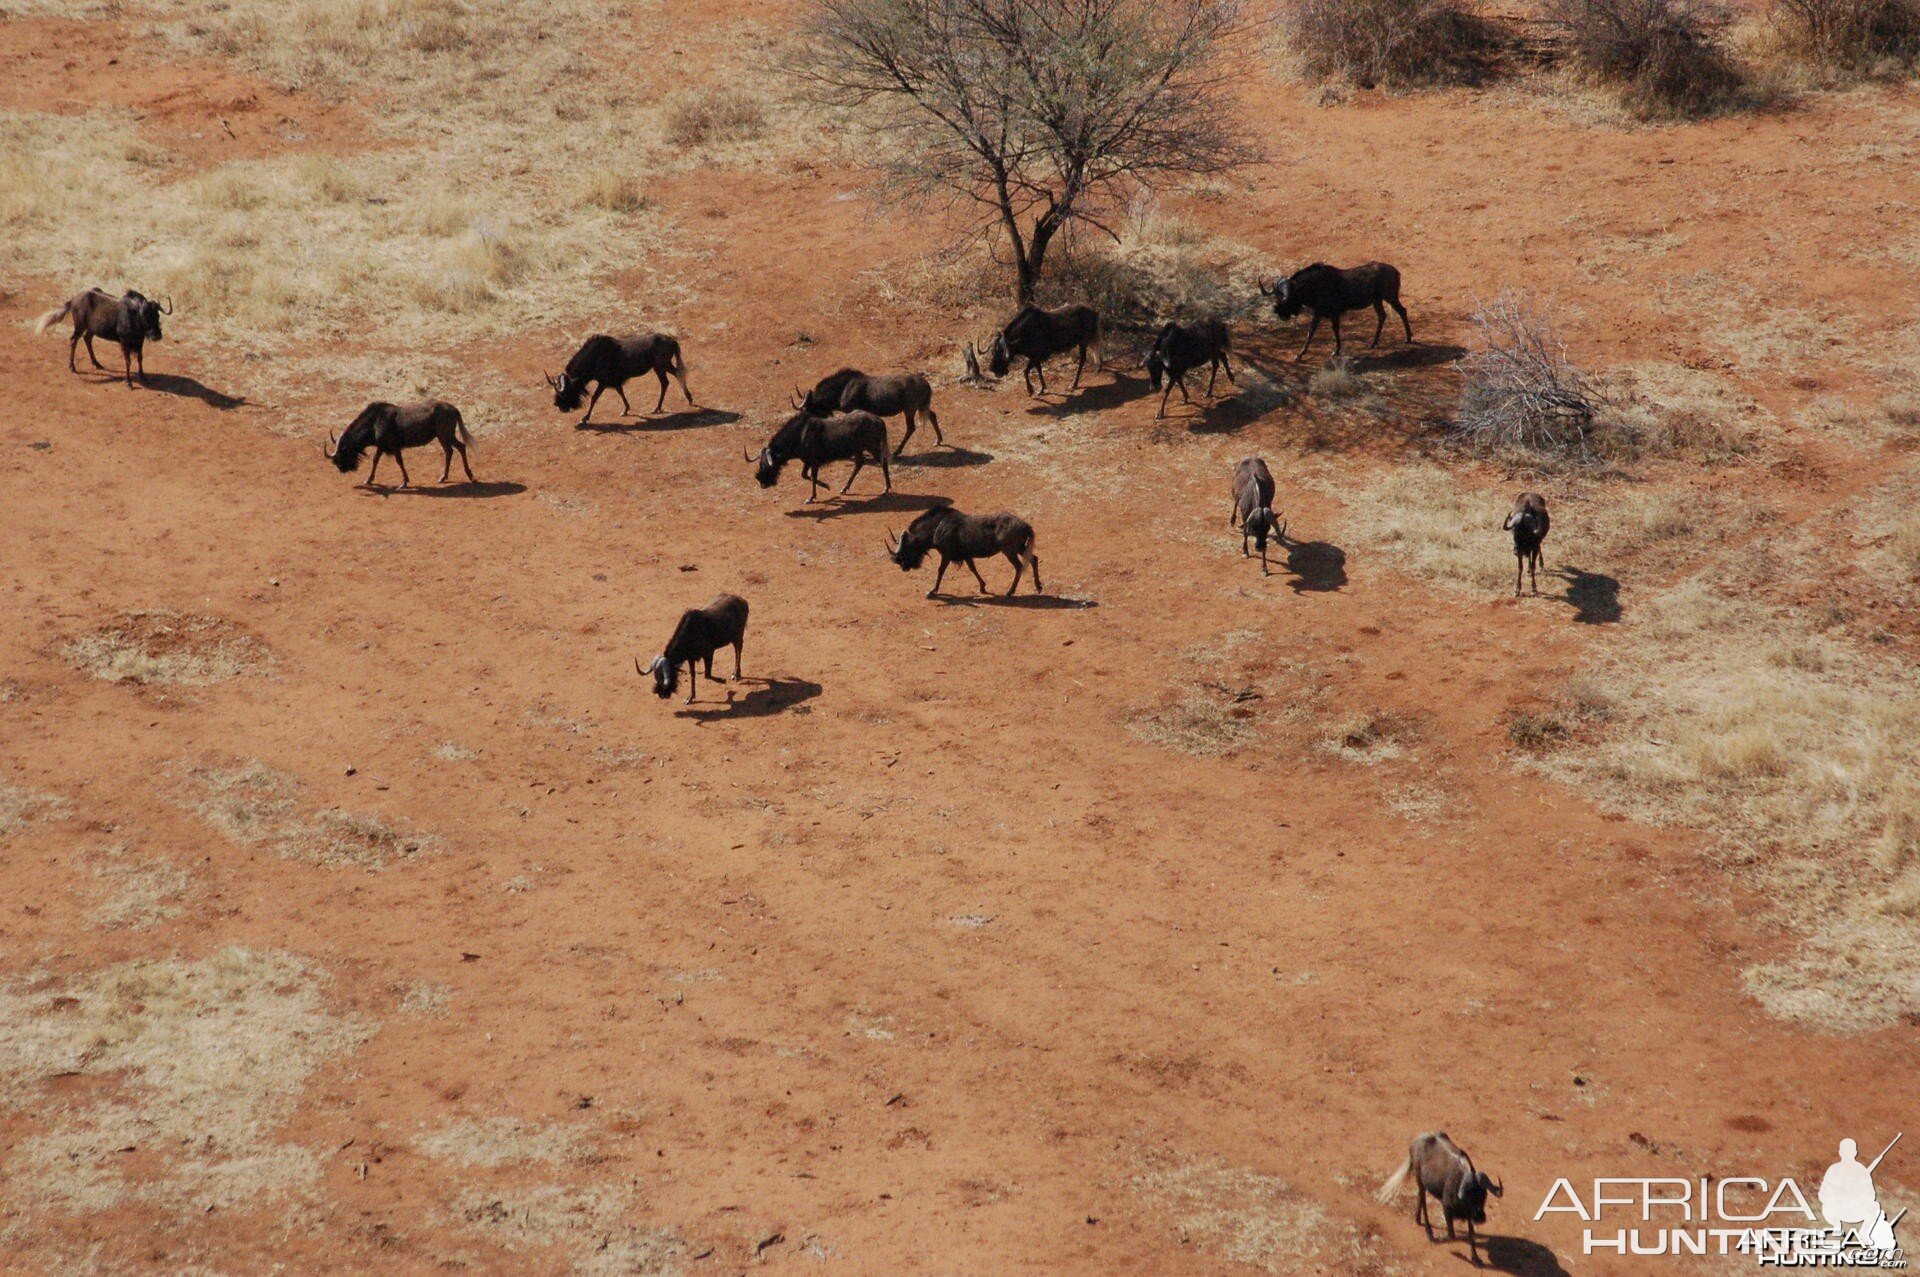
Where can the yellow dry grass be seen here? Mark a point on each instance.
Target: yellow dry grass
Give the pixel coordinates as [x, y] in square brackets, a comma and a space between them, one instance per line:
[20, 807]
[202, 1060]
[166, 647]
[255, 805]
[138, 891]
[1248, 1217]
[501, 1141]
[594, 1228]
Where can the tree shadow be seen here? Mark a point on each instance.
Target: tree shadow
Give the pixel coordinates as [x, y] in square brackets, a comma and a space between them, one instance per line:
[773, 696]
[836, 506]
[944, 457]
[1418, 355]
[1318, 567]
[1594, 596]
[1090, 397]
[1031, 602]
[1518, 1256]
[168, 383]
[685, 419]
[465, 491]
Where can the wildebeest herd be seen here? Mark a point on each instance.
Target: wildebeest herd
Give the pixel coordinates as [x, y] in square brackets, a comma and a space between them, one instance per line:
[843, 418]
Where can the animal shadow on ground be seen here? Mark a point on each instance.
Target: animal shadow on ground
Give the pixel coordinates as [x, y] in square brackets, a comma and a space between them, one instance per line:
[685, 419]
[1093, 396]
[1595, 598]
[185, 387]
[1518, 1256]
[1419, 355]
[468, 491]
[884, 503]
[945, 457]
[1318, 567]
[773, 696]
[1032, 602]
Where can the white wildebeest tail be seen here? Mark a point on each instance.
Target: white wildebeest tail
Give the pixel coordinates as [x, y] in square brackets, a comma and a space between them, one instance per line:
[51, 318]
[680, 371]
[1391, 1189]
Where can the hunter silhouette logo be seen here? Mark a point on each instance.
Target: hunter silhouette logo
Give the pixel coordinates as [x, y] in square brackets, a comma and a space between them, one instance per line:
[1848, 1202]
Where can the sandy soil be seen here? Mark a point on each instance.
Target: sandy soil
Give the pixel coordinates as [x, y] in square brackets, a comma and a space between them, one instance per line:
[914, 950]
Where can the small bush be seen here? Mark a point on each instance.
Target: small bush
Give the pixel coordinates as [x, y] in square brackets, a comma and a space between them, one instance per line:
[1855, 37]
[714, 115]
[1661, 55]
[1388, 43]
[1337, 380]
[1524, 397]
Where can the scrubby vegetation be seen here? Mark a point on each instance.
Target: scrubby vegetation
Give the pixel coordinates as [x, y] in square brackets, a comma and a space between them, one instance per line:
[1393, 44]
[1851, 37]
[1663, 57]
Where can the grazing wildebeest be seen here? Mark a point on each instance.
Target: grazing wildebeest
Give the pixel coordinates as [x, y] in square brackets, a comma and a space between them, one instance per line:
[962, 538]
[849, 390]
[1180, 348]
[1440, 1167]
[388, 428]
[610, 362]
[1330, 293]
[1529, 523]
[859, 437]
[1038, 335]
[700, 633]
[1253, 507]
[132, 320]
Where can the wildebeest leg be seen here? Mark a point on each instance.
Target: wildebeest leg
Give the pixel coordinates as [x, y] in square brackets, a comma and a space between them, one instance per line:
[598, 390]
[1013, 557]
[1181, 380]
[1245, 553]
[858, 462]
[126, 362]
[976, 574]
[1077, 368]
[903, 438]
[693, 680]
[1404, 321]
[1312, 328]
[446, 463]
[661, 402]
[88, 338]
[400, 459]
[1213, 370]
[934, 421]
[1033, 562]
[626, 409]
[1040, 368]
[1420, 1212]
[813, 476]
[464, 464]
[1027, 372]
[710, 677]
[1533, 571]
[1473, 1244]
[1336, 335]
[1380, 321]
[737, 645]
[1228, 365]
[375, 469]
[886, 472]
[1163, 400]
[939, 576]
[1519, 569]
[1263, 560]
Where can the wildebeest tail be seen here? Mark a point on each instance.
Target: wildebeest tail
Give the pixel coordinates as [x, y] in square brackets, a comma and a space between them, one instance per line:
[51, 318]
[460, 426]
[1391, 1189]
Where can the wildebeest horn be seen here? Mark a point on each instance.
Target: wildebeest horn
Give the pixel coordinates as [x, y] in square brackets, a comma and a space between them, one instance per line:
[636, 668]
[550, 381]
[749, 456]
[796, 398]
[1264, 290]
[166, 307]
[328, 448]
[1499, 1189]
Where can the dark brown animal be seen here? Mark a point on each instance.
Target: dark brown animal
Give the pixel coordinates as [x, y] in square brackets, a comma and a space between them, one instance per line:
[1253, 507]
[700, 633]
[859, 437]
[1038, 335]
[1180, 348]
[1442, 1169]
[388, 429]
[1529, 522]
[1330, 292]
[132, 320]
[608, 363]
[962, 538]
[907, 394]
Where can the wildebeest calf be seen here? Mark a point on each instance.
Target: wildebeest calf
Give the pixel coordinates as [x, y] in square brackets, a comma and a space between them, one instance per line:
[1253, 507]
[1180, 348]
[962, 538]
[813, 441]
[132, 320]
[700, 633]
[1330, 292]
[1441, 1168]
[389, 428]
[1529, 523]
[610, 362]
[1038, 335]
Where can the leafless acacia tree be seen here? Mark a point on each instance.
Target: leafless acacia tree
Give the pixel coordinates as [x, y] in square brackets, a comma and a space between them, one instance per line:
[1042, 111]
[1523, 395]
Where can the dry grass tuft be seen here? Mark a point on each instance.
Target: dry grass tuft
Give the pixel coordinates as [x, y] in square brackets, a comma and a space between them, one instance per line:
[1393, 44]
[167, 648]
[700, 117]
[595, 1226]
[22, 807]
[1363, 738]
[199, 1063]
[1337, 380]
[255, 805]
[1200, 723]
[499, 1141]
[140, 892]
[1249, 1218]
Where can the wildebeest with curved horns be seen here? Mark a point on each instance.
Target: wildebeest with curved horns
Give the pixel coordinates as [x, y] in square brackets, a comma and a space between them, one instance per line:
[610, 362]
[1180, 348]
[388, 428]
[859, 437]
[1330, 292]
[1529, 522]
[1253, 507]
[700, 633]
[1441, 1168]
[962, 538]
[1038, 335]
[133, 320]
[850, 390]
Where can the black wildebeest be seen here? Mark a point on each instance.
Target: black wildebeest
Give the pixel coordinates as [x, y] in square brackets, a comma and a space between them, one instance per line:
[1330, 292]
[962, 538]
[1038, 335]
[907, 394]
[388, 428]
[132, 320]
[1253, 507]
[610, 362]
[1180, 348]
[700, 633]
[1529, 523]
[859, 437]
[1440, 1167]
